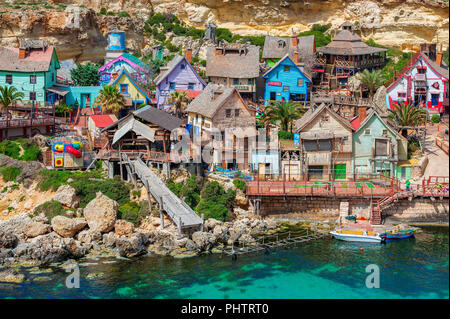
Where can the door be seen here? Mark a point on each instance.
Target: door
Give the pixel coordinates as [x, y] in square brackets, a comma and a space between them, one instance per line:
[291, 172]
[340, 171]
[435, 99]
[315, 172]
[273, 96]
[262, 170]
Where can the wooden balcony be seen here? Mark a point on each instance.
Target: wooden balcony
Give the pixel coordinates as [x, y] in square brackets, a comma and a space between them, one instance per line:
[17, 123]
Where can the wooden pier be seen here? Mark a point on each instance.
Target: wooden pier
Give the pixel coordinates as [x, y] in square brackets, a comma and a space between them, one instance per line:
[269, 243]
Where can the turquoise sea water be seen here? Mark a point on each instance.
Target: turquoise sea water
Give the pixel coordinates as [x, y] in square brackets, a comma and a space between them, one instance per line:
[326, 268]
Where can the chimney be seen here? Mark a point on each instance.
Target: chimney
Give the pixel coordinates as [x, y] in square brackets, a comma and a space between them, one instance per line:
[296, 60]
[294, 38]
[439, 58]
[362, 113]
[22, 53]
[188, 54]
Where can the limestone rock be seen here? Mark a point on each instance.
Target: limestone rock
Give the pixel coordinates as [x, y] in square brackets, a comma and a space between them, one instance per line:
[221, 233]
[8, 240]
[109, 239]
[134, 245]
[203, 240]
[35, 228]
[246, 239]
[67, 196]
[67, 227]
[11, 276]
[123, 228]
[210, 223]
[88, 236]
[101, 213]
[15, 224]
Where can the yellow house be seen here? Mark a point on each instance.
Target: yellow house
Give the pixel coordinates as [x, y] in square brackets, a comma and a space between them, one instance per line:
[134, 94]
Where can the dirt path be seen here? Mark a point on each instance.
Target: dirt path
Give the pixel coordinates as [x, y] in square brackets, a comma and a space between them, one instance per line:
[437, 160]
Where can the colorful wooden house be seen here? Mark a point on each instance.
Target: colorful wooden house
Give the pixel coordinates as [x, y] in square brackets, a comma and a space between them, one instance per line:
[424, 83]
[325, 144]
[220, 109]
[133, 92]
[234, 65]
[31, 69]
[178, 75]
[285, 81]
[134, 66]
[377, 147]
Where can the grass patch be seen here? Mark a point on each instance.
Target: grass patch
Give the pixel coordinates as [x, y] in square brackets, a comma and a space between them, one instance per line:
[21, 149]
[132, 212]
[239, 183]
[216, 202]
[10, 173]
[51, 209]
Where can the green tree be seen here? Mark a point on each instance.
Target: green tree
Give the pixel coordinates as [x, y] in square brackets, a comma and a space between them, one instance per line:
[9, 95]
[110, 99]
[179, 101]
[85, 74]
[372, 80]
[407, 115]
[283, 112]
[216, 202]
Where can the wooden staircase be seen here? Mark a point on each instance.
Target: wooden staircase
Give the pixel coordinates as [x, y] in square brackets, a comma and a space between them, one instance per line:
[385, 202]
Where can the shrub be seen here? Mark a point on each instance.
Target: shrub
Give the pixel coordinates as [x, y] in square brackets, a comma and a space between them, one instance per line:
[238, 183]
[321, 27]
[10, 173]
[216, 202]
[285, 135]
[123, 14]
[10, 148]
[51, 209]
[52, 179]
[436, 118]
[131, 212]
[224, 34]
[188, 191]
[103, 11]
[413, 144]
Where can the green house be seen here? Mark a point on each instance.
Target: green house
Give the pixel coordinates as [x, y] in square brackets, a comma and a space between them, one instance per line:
[31, 69]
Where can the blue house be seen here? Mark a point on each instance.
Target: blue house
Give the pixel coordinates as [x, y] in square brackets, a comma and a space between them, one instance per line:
[285, 81]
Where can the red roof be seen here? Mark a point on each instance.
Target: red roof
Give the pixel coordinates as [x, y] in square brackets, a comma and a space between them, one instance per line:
[102, 120]
[191, 93]
[356, 123]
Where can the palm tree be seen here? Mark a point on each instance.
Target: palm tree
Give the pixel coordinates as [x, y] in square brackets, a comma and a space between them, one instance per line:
[110, 99]
[407, 115]
[372, 80]
[9, 95]
[284, 112]
[179, 101]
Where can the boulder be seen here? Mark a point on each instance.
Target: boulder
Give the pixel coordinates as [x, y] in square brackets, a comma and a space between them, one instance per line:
[47, 248]
[40, 219]
[67, 196]
[134, 245]
[101, 213]
[67, 227]
[246, 239]
[221, 233]
[75, 249]
[163, 238]
[210, 223]
[11, 276]
[203, 240]
[34, 229]
[89, 236]
[123, 228]
[15, 224]
[8, 240]
[109, 239]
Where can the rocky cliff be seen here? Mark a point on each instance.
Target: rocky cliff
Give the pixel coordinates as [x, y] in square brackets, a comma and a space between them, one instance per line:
[78, 31]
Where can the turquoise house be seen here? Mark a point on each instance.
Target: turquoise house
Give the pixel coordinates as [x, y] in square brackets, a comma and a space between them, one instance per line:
[82, 95]
[31, 69]
[377, 147]
[285, 81]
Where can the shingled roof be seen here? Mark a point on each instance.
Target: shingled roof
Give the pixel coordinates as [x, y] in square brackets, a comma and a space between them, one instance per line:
[233, 65]
[312, 113]
[278, 47]
[158, 117]
[36, 60]
[348, 43]
[165, 70]
[210, 100]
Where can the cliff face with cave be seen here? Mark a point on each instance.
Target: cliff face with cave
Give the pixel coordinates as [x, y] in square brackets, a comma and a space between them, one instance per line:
[78, 31]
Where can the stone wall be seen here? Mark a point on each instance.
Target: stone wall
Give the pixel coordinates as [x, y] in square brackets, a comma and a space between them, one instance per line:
[425, 210]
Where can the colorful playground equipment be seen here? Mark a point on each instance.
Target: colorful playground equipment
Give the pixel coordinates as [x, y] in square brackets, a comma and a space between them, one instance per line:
[69, 147]
[228, 172]
[67, 151]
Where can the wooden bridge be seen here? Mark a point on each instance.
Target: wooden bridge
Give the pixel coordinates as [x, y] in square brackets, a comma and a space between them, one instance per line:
[179, 212]
[268, 243]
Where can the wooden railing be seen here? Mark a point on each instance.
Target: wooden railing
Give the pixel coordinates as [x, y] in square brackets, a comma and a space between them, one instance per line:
[26, 122]
[443, 145]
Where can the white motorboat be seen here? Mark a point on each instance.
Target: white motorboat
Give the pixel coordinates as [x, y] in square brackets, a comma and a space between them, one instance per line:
[357, 235]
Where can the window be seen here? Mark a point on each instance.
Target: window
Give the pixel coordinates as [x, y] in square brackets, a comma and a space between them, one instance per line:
[421, 69]
[9, 78]
[124, 88]
[32, 96]
[183, 66]
[172, 86]
[286, 88]
[401, 95]
[325, 118]
[367, 131]
[381, 147]
[228, 113]
[250, 82]
[190, 86]
[33, 79]
[281, 44]
[286, 68]
[300, 82]
[345, 138]
[236, 112]
[235, 81]
[385, 132]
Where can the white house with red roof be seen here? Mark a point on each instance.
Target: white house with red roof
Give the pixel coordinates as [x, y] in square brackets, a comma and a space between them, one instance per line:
[424, 83]
[98, 122]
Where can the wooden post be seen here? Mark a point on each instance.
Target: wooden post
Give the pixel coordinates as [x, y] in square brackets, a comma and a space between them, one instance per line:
[179, 227]
[120, 160]
[203, 221]
[149, 199]
[161, 214]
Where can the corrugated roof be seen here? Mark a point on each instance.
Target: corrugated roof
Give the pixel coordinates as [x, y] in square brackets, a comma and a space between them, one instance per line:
[139, 128]
[313, 113]
[348, 43]
[233, 65]
[158, 117]
[36, 60]
[103, 120]
[210, 100]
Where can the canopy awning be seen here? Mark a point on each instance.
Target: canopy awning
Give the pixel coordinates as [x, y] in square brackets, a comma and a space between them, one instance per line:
[57, 90]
